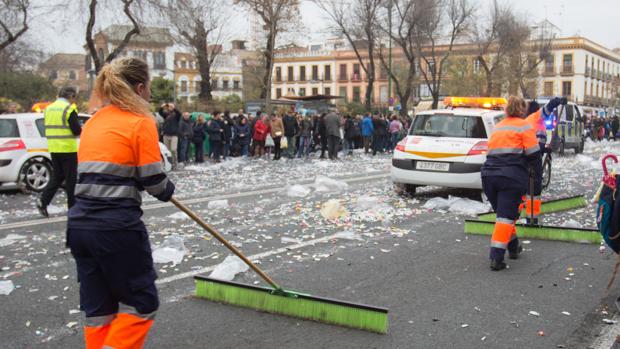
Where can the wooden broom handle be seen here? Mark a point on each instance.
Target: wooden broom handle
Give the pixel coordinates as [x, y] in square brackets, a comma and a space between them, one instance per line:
[217, 235]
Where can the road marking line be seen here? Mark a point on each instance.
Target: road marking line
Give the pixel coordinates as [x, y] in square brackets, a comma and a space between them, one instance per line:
[60, 219]
[254, 257]
[607, 337]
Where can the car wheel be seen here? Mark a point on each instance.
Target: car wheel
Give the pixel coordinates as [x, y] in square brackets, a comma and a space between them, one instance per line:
[405, 189]
[36, 174]
[546, 172]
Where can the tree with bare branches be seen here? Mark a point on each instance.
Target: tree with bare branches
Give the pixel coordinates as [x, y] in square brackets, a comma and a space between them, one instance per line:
[14, 16]
[359, 23]
[440, 25]
[277, 16]
[130, 10]
[198, 24]
[530, 49]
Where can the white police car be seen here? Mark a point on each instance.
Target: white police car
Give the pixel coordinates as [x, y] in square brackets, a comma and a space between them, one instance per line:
[24, 159]
[447, 147]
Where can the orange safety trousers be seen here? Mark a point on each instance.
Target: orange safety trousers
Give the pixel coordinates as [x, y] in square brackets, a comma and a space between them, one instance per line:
[531, 210]
[503, 232]
[126, 331]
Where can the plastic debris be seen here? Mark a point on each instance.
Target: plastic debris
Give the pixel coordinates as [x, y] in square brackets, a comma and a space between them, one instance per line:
[10, 239]
[217, 205]
[610, 321]
[297, 191]
[348, 235]
[178, 215]
[172, 249]
[366, 203]
[457, 205]
[333, 209]
[6, 287]
[326, 184]
[533, 313]
[230, 267]
[571, 223]
[287, 240]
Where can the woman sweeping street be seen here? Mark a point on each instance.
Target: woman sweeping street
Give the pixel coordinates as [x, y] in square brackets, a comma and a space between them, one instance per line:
[118, 157]
[513, 151]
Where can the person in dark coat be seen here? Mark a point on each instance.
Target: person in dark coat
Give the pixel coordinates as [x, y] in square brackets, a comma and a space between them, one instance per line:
[216, 134]
[227, 124]
[186, 132]
[172, 118]
[332, 127]
[321, 131]
[291, 128]
[242, 136]
[350, 133]
[615, 126]
[200, 134]
[377, 136]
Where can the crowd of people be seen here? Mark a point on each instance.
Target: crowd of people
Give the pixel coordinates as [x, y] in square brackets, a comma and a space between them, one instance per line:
[290, 135]
[602, 128]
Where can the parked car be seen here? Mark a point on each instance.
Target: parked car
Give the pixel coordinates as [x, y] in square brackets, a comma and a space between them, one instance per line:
[24, 159]
[565, 131]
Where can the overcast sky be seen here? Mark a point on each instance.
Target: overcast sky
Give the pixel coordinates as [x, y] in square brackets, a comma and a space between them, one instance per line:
[597, 20]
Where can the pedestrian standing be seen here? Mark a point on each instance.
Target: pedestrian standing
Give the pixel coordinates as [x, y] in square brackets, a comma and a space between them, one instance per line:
[377, 135]
[305, 137]
[395, 129]
[242, 136]
[216, 134]
[172, 118]
[186, 132]
[332, 126]
[118, 158]
[322, 133]
[277, 132]
[199, 136]
[350, 132]
[291, 128]
[261, 130]
[367, 132]
[227, 125]
[61, 130]
[251, 124]
[512, 152]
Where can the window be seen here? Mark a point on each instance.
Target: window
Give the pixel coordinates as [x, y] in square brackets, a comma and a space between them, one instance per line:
[315, 91]
[278, 74]
[382, 72]
[343, 72]
[328, 73]
[40, 126]
[549, 62]
[356, 72]
[476, 65]
[356, 94]
[236, 84]
[184, 86]
[278, 92]
[225, 84]
[450, 125]
[302, 91]
[567, 63]
[184, 64]
[159, 60]
[315, 72]
[569, 113]
[53, 75]
[302, 73]
[431, 66]
[71, 74]
[197, 86]
[214, 84]
[566, 88]
[8, 128]
[290, 76]
[343, 93]
[548, 88]
[328, 91]
[585, 88]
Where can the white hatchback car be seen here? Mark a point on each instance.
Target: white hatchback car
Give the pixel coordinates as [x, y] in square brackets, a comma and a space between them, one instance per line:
[24, 159]
[446, 147]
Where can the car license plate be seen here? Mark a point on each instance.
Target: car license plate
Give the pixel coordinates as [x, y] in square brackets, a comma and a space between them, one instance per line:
[432, 166]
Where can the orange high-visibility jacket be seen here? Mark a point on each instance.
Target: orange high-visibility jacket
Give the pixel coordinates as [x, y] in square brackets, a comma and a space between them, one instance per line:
[513, 148]
[118, 157]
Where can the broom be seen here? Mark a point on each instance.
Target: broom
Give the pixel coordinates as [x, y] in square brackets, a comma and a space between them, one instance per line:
[279, 301]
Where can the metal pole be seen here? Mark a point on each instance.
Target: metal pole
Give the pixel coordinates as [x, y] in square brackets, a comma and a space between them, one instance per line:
[390, 50]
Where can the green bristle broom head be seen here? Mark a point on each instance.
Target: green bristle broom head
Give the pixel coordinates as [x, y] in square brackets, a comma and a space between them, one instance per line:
[559, 205]
[539, 232]
[294, 304]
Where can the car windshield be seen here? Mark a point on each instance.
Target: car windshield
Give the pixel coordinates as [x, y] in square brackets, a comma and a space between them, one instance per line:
[8, 128]
[448, 125]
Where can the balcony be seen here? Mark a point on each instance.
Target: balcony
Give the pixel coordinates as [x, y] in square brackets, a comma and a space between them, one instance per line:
[549, 71]
[588, 72]
[356, 77]
[343, 77]
[567, 70]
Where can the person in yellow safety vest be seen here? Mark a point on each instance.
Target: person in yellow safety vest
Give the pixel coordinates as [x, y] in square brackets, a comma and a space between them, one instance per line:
[62, 129]
[536, 117]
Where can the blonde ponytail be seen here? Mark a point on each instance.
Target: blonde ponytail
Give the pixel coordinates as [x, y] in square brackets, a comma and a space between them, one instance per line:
[116, 82]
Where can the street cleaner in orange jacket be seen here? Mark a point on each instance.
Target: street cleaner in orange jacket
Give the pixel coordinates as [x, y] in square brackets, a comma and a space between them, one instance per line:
[513, 150]
[536, 117]
[118, 157]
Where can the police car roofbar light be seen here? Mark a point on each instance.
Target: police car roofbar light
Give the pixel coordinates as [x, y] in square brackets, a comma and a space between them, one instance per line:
[475, 102]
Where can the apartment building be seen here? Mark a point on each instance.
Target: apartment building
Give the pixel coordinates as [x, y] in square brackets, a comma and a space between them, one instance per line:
[303, 72]
[66, 69]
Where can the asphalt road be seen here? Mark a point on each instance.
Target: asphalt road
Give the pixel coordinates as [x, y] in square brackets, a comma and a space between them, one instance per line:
[418, 263]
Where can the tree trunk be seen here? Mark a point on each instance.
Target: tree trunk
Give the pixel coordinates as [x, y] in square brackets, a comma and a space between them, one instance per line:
[435, 95]
[201, 47]
[265, 92]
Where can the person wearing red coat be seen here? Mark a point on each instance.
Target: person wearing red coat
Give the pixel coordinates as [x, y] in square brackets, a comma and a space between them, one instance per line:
[261, 130]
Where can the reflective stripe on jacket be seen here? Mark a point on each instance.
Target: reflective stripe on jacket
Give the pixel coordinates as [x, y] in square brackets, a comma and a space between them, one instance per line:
[60, 138]
[118, 157]
[513, 148]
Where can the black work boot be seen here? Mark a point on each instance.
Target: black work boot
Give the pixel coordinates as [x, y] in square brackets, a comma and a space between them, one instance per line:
[42, 209]
[497, 265]
[533, 221]
[515, 253]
